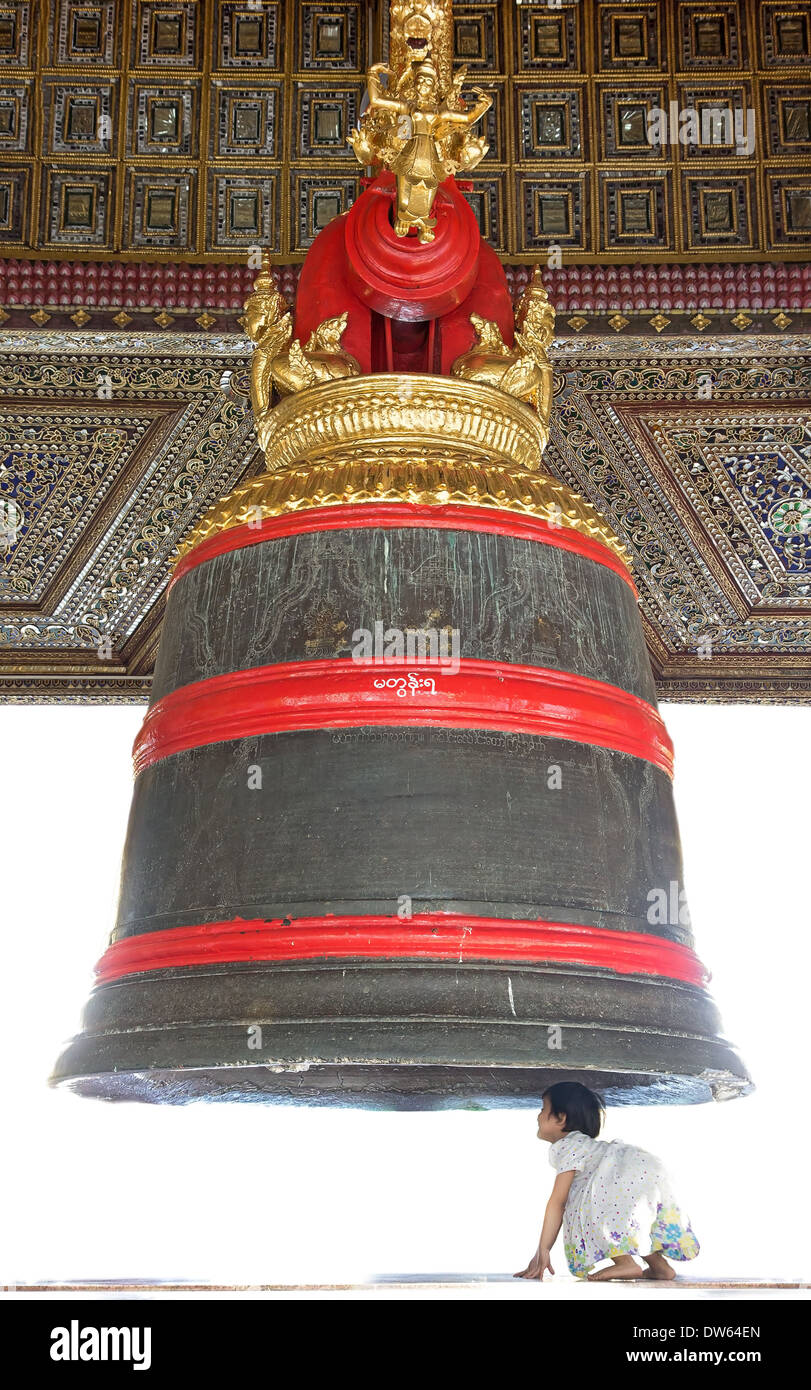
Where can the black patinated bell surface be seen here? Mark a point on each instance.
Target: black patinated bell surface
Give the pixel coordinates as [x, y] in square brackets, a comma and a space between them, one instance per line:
[352, 821]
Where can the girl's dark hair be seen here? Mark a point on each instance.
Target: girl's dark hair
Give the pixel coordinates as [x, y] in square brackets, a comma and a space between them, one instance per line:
[584, 1109]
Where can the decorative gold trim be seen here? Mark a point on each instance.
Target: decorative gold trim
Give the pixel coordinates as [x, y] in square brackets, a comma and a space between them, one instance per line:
[413, 412]
[433, 477]
[281, 364]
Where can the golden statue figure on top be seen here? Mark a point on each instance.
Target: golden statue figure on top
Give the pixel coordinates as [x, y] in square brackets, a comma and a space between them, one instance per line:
[524, 370]
[279, 359]
[419, 126]
[422, 29]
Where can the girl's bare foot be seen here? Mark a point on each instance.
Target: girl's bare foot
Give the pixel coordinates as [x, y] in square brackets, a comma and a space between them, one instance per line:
[622, 1267]
[658, 1267]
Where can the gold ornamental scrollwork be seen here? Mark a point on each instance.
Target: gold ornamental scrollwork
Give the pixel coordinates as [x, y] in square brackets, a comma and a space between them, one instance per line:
[280, 361]
[437, 477]
[281, 366]
[412, 438]
[413, 409]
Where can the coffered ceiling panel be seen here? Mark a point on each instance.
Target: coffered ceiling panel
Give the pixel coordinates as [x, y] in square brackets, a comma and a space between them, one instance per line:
[196, 129]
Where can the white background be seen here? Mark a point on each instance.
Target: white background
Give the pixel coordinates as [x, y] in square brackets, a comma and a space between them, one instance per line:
[257, 1194]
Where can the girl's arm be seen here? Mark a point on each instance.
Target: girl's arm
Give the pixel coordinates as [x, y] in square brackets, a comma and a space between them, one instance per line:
[553, 1218]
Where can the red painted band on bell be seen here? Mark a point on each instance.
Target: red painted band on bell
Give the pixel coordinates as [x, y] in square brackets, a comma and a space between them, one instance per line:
[336, 692]
[448, 516]
[421, 936]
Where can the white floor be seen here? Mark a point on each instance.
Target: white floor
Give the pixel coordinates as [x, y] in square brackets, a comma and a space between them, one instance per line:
[459, 1287]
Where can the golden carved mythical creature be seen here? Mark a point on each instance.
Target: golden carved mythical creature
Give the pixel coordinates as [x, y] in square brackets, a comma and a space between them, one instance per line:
[421, 134]
[284, 364]
[422, 30]
[269, 323]
[524, 370]
[321, 359]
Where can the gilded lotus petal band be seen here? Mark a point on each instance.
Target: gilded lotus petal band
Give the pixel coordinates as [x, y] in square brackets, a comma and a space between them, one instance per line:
[388, 477]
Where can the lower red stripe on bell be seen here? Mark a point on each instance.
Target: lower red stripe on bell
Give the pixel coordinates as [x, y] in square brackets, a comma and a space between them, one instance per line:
[425, 936]
[343, 693]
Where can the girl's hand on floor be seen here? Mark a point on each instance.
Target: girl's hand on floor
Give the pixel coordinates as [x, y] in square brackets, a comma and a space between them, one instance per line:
[538, 1264]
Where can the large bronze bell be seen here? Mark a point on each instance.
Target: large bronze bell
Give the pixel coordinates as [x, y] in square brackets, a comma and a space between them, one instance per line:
[366, 874]
[403, 831]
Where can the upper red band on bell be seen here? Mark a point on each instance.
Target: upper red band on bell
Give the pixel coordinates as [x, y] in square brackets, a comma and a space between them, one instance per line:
[390, 516]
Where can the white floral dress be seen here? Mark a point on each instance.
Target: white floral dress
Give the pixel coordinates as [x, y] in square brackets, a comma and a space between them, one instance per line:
[620, 1202]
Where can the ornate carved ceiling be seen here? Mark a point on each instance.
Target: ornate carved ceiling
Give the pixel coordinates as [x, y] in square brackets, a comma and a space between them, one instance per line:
[710, 298]
[145, 146]
[194, 129]
[698, 452]
[111, 446]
